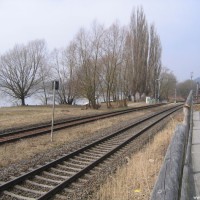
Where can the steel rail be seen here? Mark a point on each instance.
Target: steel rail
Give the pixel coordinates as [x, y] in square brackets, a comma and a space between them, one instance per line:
[65, 183]
[40, 130]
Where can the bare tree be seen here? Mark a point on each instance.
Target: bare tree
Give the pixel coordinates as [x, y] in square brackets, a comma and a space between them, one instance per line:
[154, 62]
[89, 50]
[167, 84]
[112, 59]
[183, 88]
[45, 74]
[143, 55]
[69, 58]
[140, 41]
[60, 74]
[19, 70]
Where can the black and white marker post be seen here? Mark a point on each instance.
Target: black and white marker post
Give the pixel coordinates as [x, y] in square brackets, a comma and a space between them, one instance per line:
[55, 86]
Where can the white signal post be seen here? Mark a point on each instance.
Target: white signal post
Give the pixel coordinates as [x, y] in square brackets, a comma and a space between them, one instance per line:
[55, 87]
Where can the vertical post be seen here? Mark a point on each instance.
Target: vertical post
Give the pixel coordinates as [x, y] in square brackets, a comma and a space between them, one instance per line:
[158, 90]
[197, 92]
[191, 76]
[155, 91]
[52, 122]
[175, 95]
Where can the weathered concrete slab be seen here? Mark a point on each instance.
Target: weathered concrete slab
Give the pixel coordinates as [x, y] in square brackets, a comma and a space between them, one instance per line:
[196, 116]
[196, 125]
[196, 136]
[197, 184]
[196, 153]
[196, 158]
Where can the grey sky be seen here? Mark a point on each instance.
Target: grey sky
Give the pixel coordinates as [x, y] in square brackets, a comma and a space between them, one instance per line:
[57, 21]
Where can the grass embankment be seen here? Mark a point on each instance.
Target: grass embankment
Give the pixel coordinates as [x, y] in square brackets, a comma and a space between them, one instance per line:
[137, 178]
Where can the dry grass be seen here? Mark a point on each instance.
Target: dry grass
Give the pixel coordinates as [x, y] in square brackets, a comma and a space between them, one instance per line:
[25, 149]
[20, 116]
[12, 117]
[136, 179]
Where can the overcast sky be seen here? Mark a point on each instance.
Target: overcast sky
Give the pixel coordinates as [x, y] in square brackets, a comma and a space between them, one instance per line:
[57, 21]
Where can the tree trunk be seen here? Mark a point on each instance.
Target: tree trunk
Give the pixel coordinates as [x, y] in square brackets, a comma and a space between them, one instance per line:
[23, 101]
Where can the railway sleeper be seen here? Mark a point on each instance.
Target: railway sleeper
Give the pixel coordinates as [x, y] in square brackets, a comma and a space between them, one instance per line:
[77, 184]
[82, 180]
[68, 190]
[38, 184]
[48, 179]
[69, 168]
[89, 156]
[107, 143]
[10, 194]
[84, 159]
[94, 152]
[97, 168]
[2, 182]
[98, 151]
[61, 171]
[76, 161]
[55, 175]
[116, 141]
[69, 173]
[13, 177]
[59, 196]
[24, 193]
[106, 148]
[103, 152]
[88, 176]
[18, 187]
[74, 165]
[43, 182]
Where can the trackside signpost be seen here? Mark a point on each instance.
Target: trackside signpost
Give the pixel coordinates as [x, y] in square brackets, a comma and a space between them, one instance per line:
[55, 86]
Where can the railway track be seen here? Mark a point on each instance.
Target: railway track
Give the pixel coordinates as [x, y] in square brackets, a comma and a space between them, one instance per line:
[43, 129]
[52, 181]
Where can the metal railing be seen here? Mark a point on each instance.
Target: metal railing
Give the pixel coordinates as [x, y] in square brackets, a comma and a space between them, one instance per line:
[174, 182]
